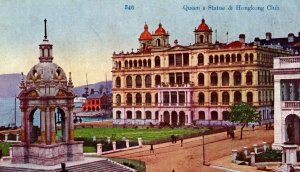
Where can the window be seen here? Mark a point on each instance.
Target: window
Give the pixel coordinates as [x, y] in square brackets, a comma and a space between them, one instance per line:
[225, 98]
[138, 114]
[129, 114]
[157, 80]
[118, 116]
[138, 81]
[148, 115]
[214, 115]
[129, 99]
[213, 79]
[118, 99]
[201, 98]
[138, 99]
[129, 82]
[118, 82]
[200, 59]
[171, 60]
[237, 78]
[157, 61]
[148, 99]
[201, 79]
[172, 78]
[178, 59]
[249, 78]
[237, 97]
[249, 98]
[186, 59]
[201, 115]
[186, 76]
[214, 98]
[148, 81]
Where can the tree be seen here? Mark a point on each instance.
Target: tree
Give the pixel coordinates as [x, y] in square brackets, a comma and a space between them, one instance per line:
[243, 113]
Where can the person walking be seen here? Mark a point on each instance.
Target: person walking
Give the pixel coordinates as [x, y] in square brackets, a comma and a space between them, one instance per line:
[151, 148]
[181, 141]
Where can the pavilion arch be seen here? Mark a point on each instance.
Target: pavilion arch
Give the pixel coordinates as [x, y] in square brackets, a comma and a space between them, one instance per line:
[237, 97]
[237, 78]
[138, 81]
[138, 115]
[167, 117]
[213, 79]
[148, 81]
[201, 79]
[129, 81]
[201, 115]
[158, 42]
[225, 79]
[214, 115]
[181, 118]
[157, 61]
[35, 124]
[148, 115]
[225, 98]
[214, 98]
[118, 82]
[201, 98]
[138, 99]
[249, 78]
[129, 114]
[292, 122]
[129, 99]
[148, 99]
[200, 59]
[157, 80]
[225, 115]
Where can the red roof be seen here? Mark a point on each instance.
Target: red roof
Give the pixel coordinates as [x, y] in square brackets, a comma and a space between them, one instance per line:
[146, 35]
[234, 44]
[160, 30]
[203, 27]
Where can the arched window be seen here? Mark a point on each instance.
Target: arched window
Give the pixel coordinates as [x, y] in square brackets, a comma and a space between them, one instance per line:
[157, 61]
[138, 81]
[119, 65]
[214, 98]
[148, 81]
[249, 78]
[216, 59]
[225, 79]
[138, 114]
[158, 42]
[201, 98]
[246, 58]
[200, 59]
[118, 99]
[225, 98]
[149, 63]
[225, 115]
[213, 79]
[148, 115]
[157, 80]
[140, 63]
[237, 78]
[222, 58]
[239, 57]
[148, 99]
[129, 99]
[237, 97]
[130, 64]
[138, 99]
[201, 79]
[201, 38]
[135, 63]
[129, 114]
[233, 58]
[211, 59]
[227, 58]
[214, 115]
[118, 116]
[129, 82]
[249, 98]
[251, 58]
[145, 63]
[156, 98]
[126, 64]
[118, 82]
[201, 115]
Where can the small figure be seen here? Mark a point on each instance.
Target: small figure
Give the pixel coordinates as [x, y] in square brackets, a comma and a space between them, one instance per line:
[1, 153]
[172, 138]
[80, 120]
[175, 139]
[270, 125]
[228, 131]
[253, 127]
[151, 148]
[232, 134]
[267, 126]
[75, 120]
[181, 140]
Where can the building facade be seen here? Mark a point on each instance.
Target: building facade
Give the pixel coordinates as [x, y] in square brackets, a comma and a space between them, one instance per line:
[286, 100]
[194, 84]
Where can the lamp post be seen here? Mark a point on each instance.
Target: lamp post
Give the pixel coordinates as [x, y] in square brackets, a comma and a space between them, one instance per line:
[203, 147]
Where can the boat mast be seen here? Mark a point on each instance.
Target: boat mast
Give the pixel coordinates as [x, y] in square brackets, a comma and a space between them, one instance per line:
[15, 110]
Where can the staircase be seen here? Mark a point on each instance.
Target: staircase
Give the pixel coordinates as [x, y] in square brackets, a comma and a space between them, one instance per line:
[104, 165]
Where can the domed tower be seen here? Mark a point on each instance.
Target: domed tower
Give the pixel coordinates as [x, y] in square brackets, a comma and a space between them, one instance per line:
[145, 39]
[203, 34]
[160, 37]
[47, 97]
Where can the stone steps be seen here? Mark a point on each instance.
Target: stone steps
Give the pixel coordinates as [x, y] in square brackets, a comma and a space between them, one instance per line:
[96, 166]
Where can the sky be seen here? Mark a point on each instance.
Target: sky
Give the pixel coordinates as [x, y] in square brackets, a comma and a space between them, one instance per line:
[85, 33]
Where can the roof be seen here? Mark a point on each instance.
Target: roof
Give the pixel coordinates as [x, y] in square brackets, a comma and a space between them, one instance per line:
[94, 96]
[160, 30]
[234, 44]
[146, 35]
[203, 27]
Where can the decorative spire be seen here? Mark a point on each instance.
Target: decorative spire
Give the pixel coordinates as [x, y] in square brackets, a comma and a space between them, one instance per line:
[45, 22]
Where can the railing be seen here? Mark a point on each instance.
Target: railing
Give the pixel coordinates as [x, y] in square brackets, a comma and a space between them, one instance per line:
[291, 104]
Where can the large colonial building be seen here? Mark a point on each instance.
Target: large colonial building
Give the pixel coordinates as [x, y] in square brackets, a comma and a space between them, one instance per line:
[181, 85]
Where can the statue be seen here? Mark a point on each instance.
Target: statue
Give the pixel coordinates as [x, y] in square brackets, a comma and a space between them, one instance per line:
[290, 132]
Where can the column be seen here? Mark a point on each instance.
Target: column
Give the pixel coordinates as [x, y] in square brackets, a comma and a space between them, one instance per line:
[43, 125]
[170, 118]
[169, 98]
[71, 125]
[158, 98]
[177, 92]
[52, 124]
[188, 98]
[292, 92]
[178, 119]
[185, 98]
[23, 126]
[48, 126]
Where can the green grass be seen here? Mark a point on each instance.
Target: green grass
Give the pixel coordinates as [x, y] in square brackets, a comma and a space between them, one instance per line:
[150, 134]
[89, 149]
[5, 148]
[140, 166]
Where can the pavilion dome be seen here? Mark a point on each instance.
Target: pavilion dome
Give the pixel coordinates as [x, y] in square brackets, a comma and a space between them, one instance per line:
[46, 72]
[160, 30]
[203, 27]
[146, 35]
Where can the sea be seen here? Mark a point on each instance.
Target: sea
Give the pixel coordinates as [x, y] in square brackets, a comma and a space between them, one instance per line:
[8, 117]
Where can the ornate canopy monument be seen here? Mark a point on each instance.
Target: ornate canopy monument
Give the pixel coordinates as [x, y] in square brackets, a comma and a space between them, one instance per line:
[47, 97]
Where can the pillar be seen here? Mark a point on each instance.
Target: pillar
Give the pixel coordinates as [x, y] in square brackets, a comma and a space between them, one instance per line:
[169, 98]
[43, 125]
[23, 126]
[252, 154]
[114, 145]
[6, 137]
[71, 125]
[48, 126]
[17, 137]
[140, 142]
[188, 98]
[177, 93]
[127, 143]
[99, 149]
[52, 123]
[283, 156]
[245, 150]
[10, 152]
[255, 148]
[265, 145]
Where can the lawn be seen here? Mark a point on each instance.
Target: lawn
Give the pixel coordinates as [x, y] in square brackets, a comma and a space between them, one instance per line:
[150, 134]
[5, 148]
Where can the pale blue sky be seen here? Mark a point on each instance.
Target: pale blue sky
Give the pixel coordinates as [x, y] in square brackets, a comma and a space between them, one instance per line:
[85, 33]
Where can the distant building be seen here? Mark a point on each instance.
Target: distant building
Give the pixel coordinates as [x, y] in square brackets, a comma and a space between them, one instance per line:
[97, 101]
[286, 100]
[197, 83]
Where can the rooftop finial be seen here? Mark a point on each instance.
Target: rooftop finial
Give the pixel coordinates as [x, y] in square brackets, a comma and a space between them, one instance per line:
[45, 21]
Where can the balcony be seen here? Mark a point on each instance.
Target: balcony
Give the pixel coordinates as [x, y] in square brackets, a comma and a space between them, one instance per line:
[290, 104]
[287, 62]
